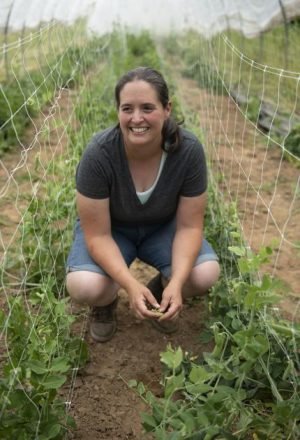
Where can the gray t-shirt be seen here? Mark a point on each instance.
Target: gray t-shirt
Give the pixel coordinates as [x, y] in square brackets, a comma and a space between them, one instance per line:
[103, 172]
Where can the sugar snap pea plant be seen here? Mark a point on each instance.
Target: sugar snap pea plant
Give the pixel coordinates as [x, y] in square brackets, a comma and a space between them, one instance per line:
[248, 385]
[41, 352]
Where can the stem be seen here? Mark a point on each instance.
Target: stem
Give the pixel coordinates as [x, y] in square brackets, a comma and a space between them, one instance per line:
[272, 383]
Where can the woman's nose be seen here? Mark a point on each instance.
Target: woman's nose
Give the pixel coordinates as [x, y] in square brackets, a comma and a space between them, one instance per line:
[137, 116]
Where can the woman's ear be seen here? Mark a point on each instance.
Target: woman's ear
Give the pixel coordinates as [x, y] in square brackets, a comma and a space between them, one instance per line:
[168, 109]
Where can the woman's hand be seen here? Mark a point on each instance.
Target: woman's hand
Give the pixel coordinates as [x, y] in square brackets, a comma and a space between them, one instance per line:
[140, 298]
[171, 304]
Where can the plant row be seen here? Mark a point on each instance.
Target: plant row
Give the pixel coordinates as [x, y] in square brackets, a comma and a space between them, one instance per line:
[248, 385]
[43, 355]
[265, 95]
[24, 95]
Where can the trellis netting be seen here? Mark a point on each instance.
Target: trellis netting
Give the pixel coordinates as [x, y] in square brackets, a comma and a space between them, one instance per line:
[207, 16]
[242, 100]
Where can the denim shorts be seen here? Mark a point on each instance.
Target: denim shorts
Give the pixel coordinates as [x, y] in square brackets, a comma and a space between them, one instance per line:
[151, 244]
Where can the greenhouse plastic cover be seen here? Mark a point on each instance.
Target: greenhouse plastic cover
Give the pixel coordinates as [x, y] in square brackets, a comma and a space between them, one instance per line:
[161, 16]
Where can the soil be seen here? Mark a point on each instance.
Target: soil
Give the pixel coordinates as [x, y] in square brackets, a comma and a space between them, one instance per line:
[103, 405]
[101, 401]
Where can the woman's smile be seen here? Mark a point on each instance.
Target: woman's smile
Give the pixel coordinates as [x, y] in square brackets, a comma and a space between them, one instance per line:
[139, 130]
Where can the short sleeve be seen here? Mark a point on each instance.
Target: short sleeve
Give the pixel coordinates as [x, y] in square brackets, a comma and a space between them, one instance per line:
[92, 177]
[195, 182]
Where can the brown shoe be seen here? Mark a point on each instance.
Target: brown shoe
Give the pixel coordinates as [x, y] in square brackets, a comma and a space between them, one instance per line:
[156, 288]
[103, 322]
[167, 327]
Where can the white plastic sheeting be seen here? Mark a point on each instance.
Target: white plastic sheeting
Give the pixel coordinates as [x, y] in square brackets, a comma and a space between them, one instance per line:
[161, 16]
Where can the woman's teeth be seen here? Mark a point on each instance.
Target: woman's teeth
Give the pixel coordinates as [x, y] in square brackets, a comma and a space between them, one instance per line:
[139, 130]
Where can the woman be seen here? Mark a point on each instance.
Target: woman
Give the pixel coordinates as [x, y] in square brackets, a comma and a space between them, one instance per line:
[140, 194]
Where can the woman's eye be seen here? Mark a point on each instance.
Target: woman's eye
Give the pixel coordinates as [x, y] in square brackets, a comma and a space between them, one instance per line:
[126, 109]
[148, 109]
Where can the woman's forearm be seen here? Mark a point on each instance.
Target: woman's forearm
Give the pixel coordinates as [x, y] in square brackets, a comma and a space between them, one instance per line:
[107, 255]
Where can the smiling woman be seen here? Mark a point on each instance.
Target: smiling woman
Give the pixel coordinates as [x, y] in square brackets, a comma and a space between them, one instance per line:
[140, 194]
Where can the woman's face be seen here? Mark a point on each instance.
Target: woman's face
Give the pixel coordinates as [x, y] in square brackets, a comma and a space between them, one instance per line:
[141, 114]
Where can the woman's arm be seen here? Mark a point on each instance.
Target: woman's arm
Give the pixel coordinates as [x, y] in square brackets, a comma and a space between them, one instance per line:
[95, 221]
[186, 245]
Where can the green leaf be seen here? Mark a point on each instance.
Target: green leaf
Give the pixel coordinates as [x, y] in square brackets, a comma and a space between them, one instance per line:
[239, 251]
[53, 382]
[206, 336]
[158, 412]
[132, 383]
[245, 420]
[261, 344]
[149, 422]
[202, 419]
[199, 374]
[150, 398]
[37, 367]
[18, 399]
[242, 337]
[218, 396]
[244, 265]
[235, 234]
[212, 432]
[141, 388]
[198, 389]
[250, 298]
[176, 424]
[70, 422]
[174, 383]
[60, 365]
[172, 358]
[51, 431]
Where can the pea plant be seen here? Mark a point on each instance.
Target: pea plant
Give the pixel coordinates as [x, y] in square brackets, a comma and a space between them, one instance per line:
[248, 385]
[41, 350]
[41, 354]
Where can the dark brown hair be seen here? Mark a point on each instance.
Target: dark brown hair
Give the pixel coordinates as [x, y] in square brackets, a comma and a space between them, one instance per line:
[170, 131]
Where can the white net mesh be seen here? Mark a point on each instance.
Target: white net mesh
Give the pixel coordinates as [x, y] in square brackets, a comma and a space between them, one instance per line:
[248, 112]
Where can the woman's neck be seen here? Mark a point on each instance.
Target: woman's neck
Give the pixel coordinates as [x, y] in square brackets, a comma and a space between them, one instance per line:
[142, 152]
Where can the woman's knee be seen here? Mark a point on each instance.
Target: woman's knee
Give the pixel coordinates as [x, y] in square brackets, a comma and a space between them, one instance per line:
[202, 278]
[90, 287]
